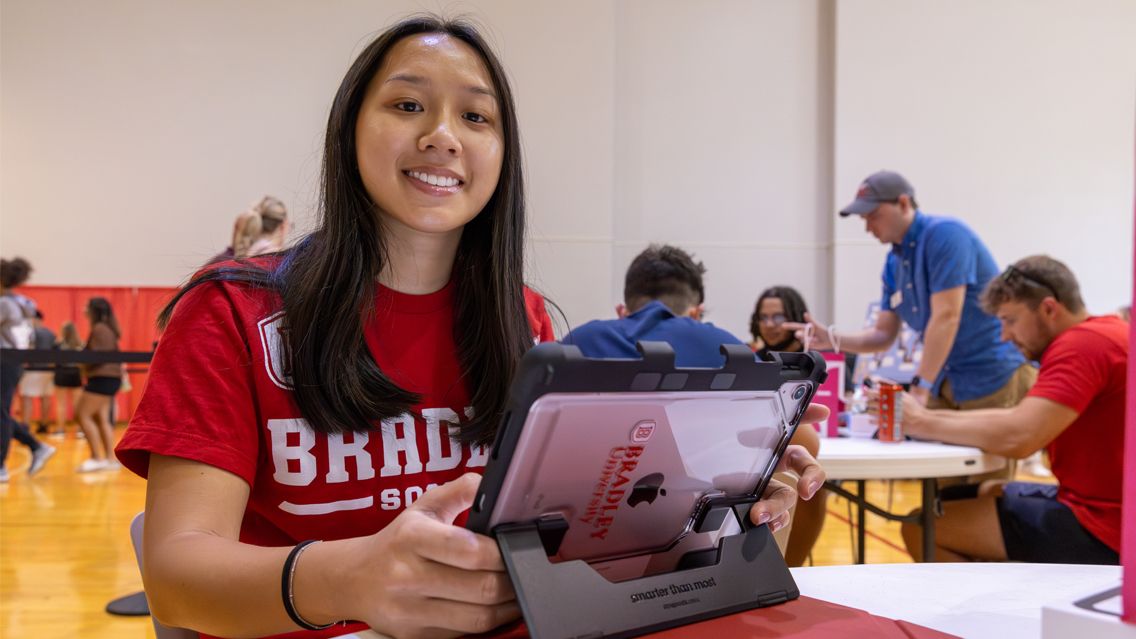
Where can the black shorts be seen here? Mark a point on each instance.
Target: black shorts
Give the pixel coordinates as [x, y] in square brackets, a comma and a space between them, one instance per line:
[1039, 529]
[68, 377]
[103, 385]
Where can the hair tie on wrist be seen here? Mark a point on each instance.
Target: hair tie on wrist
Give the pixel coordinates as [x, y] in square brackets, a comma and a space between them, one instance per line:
[287, 579]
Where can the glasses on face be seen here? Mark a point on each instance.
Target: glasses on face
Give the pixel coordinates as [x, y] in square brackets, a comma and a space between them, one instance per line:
[775, 320]
[1012, 272]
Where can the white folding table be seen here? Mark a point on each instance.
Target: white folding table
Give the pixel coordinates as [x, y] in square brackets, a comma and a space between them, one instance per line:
[862, 459]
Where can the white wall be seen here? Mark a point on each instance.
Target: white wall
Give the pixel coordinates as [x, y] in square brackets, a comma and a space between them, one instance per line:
[132, 132]
[1015, 116]
[717, 146]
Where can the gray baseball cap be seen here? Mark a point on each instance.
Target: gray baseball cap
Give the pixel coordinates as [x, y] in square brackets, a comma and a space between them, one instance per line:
[879, 187]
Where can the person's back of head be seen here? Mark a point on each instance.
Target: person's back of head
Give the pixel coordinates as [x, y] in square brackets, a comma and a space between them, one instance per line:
[14, 272]
[666, 274]
[100, 312]
[69, 337]
[254, 229]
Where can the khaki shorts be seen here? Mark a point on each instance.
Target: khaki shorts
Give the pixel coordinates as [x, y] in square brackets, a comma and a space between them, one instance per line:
[1011, 394]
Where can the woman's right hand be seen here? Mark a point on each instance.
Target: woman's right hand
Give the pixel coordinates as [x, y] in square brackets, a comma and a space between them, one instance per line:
[422, 576]
[818, 337]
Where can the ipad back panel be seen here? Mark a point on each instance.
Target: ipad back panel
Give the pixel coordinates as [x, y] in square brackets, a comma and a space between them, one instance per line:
[628, 451]
[617, 465]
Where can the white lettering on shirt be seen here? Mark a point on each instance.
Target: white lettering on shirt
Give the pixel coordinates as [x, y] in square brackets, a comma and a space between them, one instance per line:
[394, 499]
[282, 452]
[292, 442]
[439, 421]
[407, 443]
[338, 451]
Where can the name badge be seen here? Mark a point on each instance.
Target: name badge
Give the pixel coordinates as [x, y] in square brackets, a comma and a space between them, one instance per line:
[896, 299]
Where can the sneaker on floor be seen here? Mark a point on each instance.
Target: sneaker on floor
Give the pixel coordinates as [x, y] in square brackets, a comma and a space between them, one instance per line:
[3, 475]
[113, 464]
[40, 457]
[92, 465]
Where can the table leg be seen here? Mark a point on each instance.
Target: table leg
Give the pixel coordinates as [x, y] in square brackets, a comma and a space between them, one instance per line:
[861, 525]
[928, 516]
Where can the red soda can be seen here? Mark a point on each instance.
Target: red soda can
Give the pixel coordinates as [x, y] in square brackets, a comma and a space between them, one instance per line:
[891, 412]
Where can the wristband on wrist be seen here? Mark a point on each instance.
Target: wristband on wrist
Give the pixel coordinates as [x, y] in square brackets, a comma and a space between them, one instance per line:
[834, 338]
[287, 592]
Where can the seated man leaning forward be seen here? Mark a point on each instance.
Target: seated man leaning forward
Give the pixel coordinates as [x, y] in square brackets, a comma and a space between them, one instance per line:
[1075, 411]
[662, 302]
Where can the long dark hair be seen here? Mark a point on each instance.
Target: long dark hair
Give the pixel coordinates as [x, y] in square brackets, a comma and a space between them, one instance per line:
[327, 281]
[100, 312]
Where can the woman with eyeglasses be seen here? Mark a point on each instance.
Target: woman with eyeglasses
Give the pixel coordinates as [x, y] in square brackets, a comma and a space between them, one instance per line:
[775, 306]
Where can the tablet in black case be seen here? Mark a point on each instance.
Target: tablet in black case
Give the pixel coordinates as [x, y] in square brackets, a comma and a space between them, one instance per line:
[630, 458]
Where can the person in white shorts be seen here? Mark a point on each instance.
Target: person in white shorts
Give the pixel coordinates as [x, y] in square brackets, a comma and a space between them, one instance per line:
[38, 380]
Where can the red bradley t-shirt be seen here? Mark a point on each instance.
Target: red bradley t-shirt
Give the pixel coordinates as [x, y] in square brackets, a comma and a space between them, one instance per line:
[1086, 369]
[219, 393]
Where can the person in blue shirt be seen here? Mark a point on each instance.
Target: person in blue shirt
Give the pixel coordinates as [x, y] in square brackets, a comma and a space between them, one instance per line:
[663, 299]
[932, 280]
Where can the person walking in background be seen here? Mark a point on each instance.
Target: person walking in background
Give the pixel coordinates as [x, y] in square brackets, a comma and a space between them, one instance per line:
[68, 380]
[14, 315]
[103, 382]
[37, 382]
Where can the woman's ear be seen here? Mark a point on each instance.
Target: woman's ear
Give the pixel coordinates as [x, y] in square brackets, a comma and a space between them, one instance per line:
[695, 312]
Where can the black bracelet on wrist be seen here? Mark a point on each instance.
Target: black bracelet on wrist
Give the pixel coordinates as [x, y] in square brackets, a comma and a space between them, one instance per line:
[287, 593]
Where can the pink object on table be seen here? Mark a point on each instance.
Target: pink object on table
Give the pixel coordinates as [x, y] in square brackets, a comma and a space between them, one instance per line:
[830, 392]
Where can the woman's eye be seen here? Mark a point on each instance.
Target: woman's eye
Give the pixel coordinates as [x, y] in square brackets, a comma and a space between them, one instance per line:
[476, 118]
[409, 107]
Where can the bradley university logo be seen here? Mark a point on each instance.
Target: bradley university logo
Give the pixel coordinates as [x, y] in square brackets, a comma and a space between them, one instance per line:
[272, 342]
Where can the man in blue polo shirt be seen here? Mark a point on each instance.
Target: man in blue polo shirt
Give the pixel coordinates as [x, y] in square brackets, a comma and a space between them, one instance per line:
[932, 280]
[662, 302]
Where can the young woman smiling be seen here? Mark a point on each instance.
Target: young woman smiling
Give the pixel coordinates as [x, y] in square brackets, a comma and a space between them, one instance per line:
[345, 391]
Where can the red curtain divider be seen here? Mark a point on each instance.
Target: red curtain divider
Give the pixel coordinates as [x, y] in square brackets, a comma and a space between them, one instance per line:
[136, 309]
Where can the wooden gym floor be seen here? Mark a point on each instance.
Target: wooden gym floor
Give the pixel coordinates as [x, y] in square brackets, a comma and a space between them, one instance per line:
[65, 546]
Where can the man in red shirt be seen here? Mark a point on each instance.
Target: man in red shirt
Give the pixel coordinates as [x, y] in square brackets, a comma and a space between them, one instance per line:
[1075, 411]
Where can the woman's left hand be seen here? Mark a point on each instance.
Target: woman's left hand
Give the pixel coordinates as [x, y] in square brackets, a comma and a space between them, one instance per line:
[779, 497]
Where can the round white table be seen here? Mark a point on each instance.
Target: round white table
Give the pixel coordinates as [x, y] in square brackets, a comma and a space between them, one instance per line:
[978, 600]
[862, 459]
